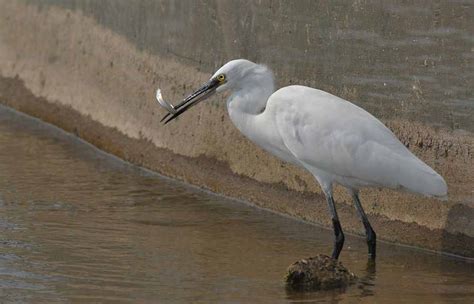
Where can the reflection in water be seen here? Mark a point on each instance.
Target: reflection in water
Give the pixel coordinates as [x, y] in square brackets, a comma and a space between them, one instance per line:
[81, 226]
[367, 282]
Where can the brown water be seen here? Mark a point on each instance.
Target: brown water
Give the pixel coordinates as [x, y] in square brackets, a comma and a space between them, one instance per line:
[78, 225]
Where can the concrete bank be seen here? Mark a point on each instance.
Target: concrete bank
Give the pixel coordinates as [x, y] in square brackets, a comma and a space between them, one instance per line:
[91, 67]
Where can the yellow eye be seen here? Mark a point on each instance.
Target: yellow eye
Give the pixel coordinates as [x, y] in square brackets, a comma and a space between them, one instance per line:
[221, 77]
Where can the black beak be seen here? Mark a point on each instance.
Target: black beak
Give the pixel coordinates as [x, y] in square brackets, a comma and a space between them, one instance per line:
[204, 92]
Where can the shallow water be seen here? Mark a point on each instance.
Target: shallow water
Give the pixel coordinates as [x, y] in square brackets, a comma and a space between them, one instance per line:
[78, 225]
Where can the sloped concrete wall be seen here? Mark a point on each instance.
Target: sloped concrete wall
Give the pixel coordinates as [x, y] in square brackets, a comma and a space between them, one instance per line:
[91, 67]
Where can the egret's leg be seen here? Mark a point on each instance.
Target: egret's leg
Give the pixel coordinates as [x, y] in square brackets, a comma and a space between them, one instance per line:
[369, 232]
[338, 234]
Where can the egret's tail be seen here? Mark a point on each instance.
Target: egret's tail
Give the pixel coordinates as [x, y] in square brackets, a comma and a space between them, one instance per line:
[418, 177]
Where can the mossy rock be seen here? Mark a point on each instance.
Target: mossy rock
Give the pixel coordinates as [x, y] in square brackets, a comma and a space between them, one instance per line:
[318, 273]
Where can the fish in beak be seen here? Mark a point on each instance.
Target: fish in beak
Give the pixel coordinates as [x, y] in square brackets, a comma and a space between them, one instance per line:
[201, 94]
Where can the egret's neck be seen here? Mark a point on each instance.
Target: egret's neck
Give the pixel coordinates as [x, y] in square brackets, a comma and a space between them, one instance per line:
[248, 111]
[247, 102]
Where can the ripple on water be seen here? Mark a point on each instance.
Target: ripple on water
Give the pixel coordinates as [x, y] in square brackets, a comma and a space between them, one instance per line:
[80, 227]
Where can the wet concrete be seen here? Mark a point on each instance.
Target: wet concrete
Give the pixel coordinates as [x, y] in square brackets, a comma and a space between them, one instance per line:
[398, 60]
[84, 227]
[216, 176]
[100, 61]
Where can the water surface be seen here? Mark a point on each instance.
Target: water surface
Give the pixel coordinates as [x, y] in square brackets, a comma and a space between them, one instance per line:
[78, 225]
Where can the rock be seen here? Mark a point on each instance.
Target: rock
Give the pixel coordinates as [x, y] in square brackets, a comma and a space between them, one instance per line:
[318, 273]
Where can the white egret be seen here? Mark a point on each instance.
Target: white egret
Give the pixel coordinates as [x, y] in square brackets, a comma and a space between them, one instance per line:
[335, 140]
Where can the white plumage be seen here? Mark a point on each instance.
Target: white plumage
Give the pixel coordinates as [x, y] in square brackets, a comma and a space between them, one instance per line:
[335, 140]
[340, 142]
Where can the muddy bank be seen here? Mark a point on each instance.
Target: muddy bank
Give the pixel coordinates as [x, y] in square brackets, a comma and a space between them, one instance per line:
[218, 177]
[320, 272]
[82, 70]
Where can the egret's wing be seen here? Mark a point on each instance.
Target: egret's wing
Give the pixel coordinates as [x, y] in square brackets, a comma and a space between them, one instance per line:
[336, 136]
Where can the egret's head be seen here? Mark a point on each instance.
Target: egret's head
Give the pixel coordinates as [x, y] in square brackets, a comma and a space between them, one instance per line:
[233, 75]
[238, 73]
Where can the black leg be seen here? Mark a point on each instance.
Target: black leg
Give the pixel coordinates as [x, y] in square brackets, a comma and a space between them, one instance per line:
[369, 232]
[338, 234]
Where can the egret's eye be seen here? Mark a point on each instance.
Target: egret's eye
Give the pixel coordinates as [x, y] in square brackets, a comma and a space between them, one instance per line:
[221, 77]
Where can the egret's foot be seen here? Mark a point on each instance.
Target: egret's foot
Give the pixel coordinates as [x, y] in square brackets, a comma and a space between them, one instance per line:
[339, 239]
[371, 266]
[369, 232]
[371, 243]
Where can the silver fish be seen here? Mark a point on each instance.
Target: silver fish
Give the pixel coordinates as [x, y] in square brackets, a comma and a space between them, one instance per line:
[168, 106]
